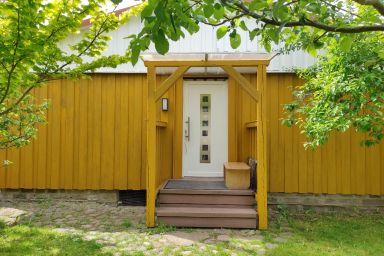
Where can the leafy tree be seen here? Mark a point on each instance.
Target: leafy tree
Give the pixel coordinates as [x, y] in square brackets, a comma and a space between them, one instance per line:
[344, 89]
[32, 52]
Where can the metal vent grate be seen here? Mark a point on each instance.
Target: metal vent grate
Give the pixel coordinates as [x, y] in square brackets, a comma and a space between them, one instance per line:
[132, 197]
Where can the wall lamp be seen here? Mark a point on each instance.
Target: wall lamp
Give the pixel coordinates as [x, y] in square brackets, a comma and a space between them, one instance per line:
[164, 104]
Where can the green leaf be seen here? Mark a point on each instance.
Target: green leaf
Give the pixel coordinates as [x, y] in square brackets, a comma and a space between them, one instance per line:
[346, 43]
[253, 33]
[313, 7]
[257, 5]
[243, 26]
[235, 40]
[219, 11]
[147, 11]
[160, 12]
[135, 55]
[161, 42]
[208, 10]
[116, 1]
[221, 32]
[311, 49]
[274, 34]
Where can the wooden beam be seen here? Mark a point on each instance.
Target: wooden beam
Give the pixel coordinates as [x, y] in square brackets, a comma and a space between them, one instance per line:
[262, 149]
[203, 63]
[244, 83]
[164, 87]
[151, 148]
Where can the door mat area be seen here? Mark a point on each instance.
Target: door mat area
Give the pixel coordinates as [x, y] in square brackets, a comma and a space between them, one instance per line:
[195, 184]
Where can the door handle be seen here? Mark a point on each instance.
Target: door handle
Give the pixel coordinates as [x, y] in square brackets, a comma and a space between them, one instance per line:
[187, 132]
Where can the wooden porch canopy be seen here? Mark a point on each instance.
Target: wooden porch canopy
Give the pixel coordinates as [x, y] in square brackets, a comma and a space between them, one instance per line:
[226, 61]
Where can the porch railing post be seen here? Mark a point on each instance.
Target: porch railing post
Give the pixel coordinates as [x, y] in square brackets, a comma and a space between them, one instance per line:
[151, 148]
[262, 149]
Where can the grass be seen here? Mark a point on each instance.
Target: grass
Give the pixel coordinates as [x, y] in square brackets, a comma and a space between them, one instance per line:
[313, 234]
[127, 224]
[26, 240]
[337, 234]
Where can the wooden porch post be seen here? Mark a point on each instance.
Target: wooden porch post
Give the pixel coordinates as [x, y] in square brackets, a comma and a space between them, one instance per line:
[151, 147]
[262, 150]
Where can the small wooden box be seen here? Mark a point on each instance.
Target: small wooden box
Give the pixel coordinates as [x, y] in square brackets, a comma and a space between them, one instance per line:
[237, 175]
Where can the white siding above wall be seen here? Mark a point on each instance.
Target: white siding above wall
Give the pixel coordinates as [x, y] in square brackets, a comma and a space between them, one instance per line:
[203, 41]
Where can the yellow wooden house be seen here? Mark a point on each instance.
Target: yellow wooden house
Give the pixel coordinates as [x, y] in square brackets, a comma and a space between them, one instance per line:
[171, 123]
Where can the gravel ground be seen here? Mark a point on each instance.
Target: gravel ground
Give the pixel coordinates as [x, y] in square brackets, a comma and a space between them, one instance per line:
[121, 230]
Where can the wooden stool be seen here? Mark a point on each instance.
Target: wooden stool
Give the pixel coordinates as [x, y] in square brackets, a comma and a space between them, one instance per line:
[237, 175]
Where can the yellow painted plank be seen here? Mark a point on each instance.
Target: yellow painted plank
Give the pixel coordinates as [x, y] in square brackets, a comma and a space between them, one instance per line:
[3, 157]
[40, 169]
[331, 165]
[107, 131]
[232, 110]
[117, 132]
[290, 180]
[372, 167]
[280, 177]
[26, 177]
[121, 134]
[338, 163]
[317, 170]
[345, 161]
[178, 131]
[83, 137]
[13, 170]
[137, 130]
[132, 171]
[54, 135]
[382, 167]
[276, 177]
[94, 129]
[67, 120]
[358, 176]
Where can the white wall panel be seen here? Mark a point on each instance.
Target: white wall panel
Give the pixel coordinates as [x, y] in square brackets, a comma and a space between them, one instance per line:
[203, 41]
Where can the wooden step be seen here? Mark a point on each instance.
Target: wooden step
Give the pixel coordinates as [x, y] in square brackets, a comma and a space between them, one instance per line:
[239, 192]
[207, 212]
[208, 217]
[207, 205]
[209, 199]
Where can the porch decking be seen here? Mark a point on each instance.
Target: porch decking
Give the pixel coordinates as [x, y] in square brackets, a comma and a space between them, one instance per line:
[205, 202]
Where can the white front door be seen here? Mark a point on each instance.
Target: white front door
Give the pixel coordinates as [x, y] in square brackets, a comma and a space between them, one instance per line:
[205, 143]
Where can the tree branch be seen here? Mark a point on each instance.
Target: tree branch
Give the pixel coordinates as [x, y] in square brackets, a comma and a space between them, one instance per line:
[377, 4]
[310, 23]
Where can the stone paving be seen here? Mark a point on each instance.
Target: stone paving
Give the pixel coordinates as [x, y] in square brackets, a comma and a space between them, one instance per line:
[121, 230]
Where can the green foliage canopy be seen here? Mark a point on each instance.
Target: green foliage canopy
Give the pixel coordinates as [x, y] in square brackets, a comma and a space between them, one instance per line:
[32, 43]
[345, 89]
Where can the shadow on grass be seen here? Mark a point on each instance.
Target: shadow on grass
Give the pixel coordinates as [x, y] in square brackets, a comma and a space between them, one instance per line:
[25, 240]
[335, 234]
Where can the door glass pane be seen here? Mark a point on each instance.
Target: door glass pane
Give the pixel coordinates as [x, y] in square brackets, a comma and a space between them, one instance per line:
[205, 121]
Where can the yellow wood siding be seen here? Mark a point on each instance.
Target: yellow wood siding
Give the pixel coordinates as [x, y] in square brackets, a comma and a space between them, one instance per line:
[93, 139]
[96, 139]
[340, 167]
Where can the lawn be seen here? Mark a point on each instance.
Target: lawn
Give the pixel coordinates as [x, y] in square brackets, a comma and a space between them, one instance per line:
[333, 234]
[25, 240]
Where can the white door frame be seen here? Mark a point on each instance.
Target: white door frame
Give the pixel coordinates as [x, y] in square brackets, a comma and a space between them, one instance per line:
[217, 139]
